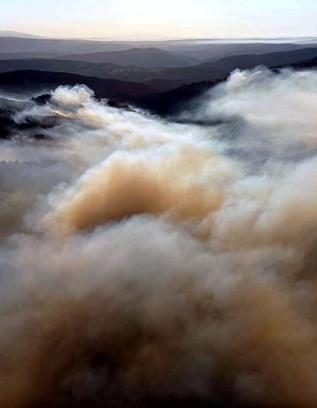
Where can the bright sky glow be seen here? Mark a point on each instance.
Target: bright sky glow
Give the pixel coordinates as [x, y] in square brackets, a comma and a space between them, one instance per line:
[162, 19]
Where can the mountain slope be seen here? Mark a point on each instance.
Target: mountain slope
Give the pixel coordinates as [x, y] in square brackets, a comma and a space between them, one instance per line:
[310, 64]
[169, 102]
[213, 51]
[152, 58]
[269, 59]
[108, 71]
[39, 81]
[140, 95]
[221, 68]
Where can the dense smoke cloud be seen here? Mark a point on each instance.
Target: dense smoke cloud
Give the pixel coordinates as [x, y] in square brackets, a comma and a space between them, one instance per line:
[145, 261]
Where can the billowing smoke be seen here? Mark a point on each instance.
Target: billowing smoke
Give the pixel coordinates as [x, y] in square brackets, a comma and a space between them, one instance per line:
[151, 263]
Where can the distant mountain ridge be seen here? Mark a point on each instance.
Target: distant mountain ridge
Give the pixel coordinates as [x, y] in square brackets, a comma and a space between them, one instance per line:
[208, 71]
[14, 42]
[221, 68]
[154, 58]
[17, 34]
[267, 59]
[107, 71]
[56, 46]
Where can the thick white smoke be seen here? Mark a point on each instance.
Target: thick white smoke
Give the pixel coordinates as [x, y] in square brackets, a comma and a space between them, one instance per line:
[146, 262]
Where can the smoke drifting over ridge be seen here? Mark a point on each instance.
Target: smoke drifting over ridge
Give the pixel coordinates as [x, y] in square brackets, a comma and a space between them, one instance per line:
[147, 262]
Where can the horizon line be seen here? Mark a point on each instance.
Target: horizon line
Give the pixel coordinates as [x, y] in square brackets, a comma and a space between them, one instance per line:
[17, 34]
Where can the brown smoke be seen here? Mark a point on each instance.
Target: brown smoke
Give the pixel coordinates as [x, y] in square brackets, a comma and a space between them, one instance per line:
[125, 186]
[172, 266]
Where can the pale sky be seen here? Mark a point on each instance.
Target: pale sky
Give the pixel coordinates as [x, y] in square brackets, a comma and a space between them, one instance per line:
[162, 19]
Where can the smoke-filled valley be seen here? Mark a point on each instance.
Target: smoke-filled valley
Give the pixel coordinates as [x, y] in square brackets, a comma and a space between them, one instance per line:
[149, 262]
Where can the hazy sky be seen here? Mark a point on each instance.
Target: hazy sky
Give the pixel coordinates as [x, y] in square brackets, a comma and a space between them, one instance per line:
[150, 19]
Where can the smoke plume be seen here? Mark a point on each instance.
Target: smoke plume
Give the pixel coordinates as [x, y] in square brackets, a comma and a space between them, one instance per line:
[149, 263]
